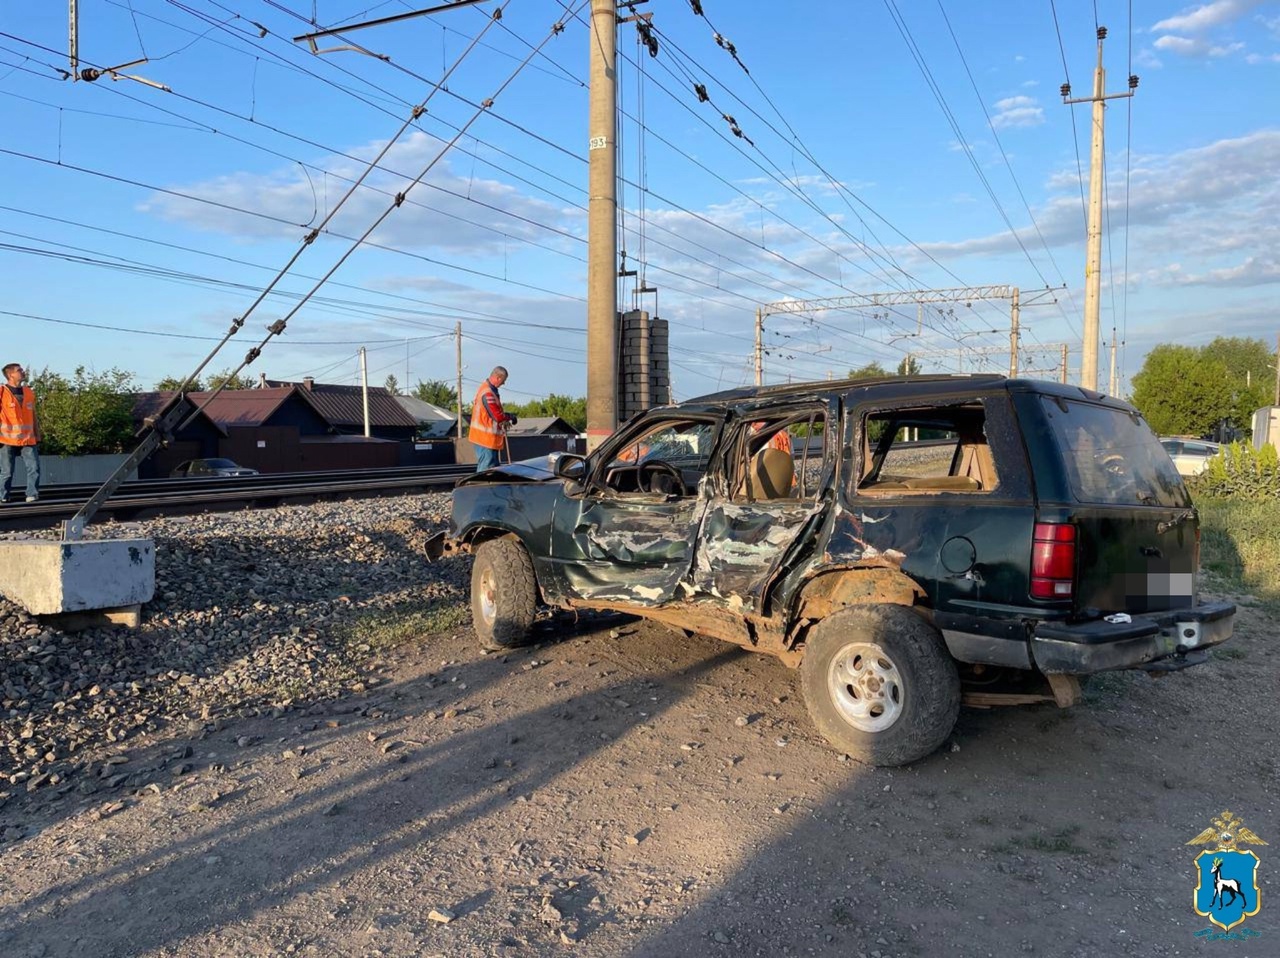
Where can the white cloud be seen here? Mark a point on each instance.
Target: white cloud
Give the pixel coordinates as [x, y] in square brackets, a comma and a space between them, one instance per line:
[1205, 16]
[1188, 47]
[442, 213]
[1220, 201]
[1017, 111]
[1253, 59]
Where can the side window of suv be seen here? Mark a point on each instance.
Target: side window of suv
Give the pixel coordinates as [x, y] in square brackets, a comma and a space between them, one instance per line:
[921, 451]
[779, 456]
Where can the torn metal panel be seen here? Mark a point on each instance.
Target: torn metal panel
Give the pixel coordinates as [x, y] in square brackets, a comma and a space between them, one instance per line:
[704, 617]
[633, 550]
[740, 546]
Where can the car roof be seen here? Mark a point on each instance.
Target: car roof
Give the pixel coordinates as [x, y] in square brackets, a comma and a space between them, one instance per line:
[896, 387]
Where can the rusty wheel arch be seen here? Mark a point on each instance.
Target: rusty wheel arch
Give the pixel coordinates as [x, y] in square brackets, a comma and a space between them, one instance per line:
[831, 590]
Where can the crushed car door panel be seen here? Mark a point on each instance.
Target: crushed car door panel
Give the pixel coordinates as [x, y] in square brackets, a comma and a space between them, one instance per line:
[772, 501]
[629, 536]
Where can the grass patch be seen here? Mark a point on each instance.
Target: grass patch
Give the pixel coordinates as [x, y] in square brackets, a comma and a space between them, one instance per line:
[1061, 842]
[1240, 546]
[383, 631]
[1229, 652]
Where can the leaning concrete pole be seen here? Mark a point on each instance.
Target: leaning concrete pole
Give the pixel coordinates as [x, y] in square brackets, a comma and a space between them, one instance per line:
[602, 227]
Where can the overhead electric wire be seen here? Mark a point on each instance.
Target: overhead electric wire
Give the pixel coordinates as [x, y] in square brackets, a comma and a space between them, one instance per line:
[658, 267]
[1009, 166]
[1075, 137]
[452, 311]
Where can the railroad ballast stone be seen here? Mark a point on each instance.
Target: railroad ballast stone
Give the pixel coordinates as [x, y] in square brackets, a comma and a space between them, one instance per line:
[255, 611]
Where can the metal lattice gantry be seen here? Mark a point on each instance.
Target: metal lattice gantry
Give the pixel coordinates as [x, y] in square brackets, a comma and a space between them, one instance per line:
[917, 297]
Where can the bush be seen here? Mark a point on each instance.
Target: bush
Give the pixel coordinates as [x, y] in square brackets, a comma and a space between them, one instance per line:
[90, 412]
[1239, 471]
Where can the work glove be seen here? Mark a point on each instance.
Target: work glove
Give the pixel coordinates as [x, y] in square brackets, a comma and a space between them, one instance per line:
[512, 419]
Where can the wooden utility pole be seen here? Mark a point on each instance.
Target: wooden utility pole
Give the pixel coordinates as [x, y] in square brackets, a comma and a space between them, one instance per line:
[1015, 317]
[1093, 252]
[457, 336]
[602, 226]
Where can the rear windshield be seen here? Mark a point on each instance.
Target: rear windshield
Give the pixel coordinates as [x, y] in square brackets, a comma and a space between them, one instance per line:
[1112, 456]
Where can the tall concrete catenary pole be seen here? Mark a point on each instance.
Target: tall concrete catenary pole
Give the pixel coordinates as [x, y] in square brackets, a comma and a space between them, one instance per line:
[1112, 383]
[1064, 364]
[602, 227]
[1015, 319]
[1093, 250]
[759, 346]
[364, 388]
[457, 335]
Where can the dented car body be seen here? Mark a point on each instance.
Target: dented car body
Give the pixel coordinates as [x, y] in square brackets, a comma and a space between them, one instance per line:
[1026, 526]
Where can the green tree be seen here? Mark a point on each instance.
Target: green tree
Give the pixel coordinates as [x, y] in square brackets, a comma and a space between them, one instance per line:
[572, 410]
[393, 385]
[869, 371]
[437, 392]
[237, 381]
[85, 414]
[1182, 392]
[909, 366]
[173, 383]
[1249, 370]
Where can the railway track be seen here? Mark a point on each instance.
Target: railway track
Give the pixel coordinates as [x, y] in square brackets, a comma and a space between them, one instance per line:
[142, 499]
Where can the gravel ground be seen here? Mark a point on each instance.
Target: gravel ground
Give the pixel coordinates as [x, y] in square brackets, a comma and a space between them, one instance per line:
[372, 784]
[254, 610]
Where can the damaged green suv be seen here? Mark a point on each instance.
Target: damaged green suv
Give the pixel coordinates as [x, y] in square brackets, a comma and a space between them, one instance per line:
[906, 543]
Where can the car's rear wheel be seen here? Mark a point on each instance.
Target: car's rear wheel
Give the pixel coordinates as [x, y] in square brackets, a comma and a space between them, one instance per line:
[504, 593]
[879, 684]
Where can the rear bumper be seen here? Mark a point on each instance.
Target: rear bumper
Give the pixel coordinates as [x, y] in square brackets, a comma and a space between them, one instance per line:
[1158, 642]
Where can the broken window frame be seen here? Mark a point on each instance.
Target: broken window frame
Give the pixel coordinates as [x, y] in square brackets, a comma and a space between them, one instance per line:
[739, 449]
[899, 417]
[605, 458]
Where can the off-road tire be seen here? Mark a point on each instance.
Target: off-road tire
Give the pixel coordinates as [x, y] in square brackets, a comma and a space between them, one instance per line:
[865, 644]
[504, 594]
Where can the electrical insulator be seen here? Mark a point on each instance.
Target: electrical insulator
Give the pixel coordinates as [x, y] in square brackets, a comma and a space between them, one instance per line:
[1102, 33]
[1133, 81]
[1066, 90]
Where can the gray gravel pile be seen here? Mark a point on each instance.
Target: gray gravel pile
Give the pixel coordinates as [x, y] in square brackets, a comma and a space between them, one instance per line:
[253, 610]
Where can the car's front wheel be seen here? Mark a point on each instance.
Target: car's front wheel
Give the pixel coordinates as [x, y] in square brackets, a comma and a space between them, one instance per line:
[879, 684]
[504, 593]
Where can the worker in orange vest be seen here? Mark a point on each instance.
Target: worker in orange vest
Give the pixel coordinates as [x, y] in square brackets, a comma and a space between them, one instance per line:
[19, 432]
[779, 440]
[489, 421]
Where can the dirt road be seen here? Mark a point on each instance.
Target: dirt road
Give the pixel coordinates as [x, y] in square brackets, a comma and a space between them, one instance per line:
[622, 790]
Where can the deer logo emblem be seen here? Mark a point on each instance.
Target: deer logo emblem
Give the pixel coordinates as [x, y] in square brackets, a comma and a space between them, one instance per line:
[1227, 877]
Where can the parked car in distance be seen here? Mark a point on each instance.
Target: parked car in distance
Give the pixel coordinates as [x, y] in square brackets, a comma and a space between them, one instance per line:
[1190, 456]
[1034, 534]
[210, 468]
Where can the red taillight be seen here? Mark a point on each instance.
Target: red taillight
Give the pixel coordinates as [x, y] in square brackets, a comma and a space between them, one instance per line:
[1053, 560]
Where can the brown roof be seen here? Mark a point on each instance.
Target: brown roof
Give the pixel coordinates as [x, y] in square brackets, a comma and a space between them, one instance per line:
[242, 407]
[155, 403]
[343, 406]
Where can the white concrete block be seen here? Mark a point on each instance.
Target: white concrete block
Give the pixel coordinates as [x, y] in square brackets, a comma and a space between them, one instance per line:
[46, 576]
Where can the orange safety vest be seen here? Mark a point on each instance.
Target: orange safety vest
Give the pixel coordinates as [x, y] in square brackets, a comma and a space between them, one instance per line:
[17, 418]
[485, 430]
[781, 440]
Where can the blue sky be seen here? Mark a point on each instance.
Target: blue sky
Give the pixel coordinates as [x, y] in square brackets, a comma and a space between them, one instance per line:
[139, 209]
